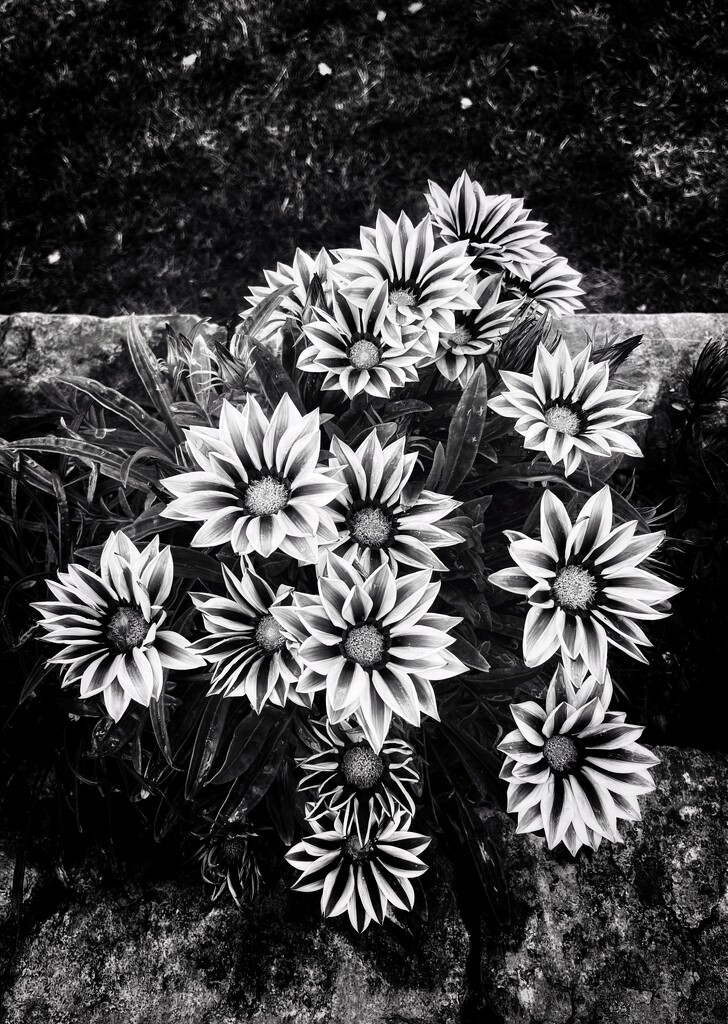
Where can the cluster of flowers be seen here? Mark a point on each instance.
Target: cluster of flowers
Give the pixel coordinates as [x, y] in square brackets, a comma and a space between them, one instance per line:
[354, 644]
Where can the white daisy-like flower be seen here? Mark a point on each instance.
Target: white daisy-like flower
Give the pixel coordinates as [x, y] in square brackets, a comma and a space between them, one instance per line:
[374, 525]
[346, 768]
[108, 625]
[554, 286]
[251, 656]
[427, 286]
[497, 229]
[258, 486]
[584, 584]
[372, 645]
[477, 332]
[361, 864]
[564, 408]
[574, 768]
[361, 350]
[300, 274]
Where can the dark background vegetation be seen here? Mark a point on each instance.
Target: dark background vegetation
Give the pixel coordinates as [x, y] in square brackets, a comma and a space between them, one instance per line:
[161, 154]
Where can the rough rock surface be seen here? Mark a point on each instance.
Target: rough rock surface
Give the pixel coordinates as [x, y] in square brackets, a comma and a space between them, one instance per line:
[36, 347]
[634, 933]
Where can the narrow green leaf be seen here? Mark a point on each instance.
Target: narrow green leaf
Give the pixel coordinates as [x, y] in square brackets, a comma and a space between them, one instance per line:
[262, 311]
[274, 381]
[246, 744]
[154, 431]
[110, 464]
[465, 432]
[206, 744]
[147, 369]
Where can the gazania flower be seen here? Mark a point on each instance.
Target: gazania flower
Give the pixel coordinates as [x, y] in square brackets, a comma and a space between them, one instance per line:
[584, 584]
[574, 768]
[360, 350]
[554, 286]
[374, 525]
[361, 864]
[372, 645]
[257, 486]
[497, 229]
[251, 656]
[228, 862]
[108, 625]
[565, 409]
[426, 286]
[346, 769]
[476, 331]
[300, 274]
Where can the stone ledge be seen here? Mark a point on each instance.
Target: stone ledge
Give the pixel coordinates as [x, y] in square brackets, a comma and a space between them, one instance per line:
[36, 347]
[637, 932]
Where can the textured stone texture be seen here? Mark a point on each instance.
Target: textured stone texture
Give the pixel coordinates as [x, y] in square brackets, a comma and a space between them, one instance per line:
[634, 933]
[35, 347]
[637, 932]
[158, 954]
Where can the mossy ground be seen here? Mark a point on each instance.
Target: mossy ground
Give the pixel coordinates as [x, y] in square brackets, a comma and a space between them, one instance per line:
[157, 157]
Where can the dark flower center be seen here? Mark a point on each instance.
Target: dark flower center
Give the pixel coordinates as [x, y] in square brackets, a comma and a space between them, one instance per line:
[362, 768]
[574, 588]
[356, 851]
[364, 354]
[127, 629]
[371, 527]
[266, 496]
[268, 634]
[233, 849]
[561, 753]
[365, 645]
[563, 419]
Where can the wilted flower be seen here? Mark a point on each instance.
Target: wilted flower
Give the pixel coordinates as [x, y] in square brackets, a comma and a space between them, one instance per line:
[258, 486]
[360, 350]
[372, 645]
[346, 769]
[109, 625]
[301, 275]
[251, 656]
[363, 862]
[228, 862]
[583, 584]
[374, 524]
[476, 331]
[574, 768]
[564, 408]
[497, 229]
[426, 286]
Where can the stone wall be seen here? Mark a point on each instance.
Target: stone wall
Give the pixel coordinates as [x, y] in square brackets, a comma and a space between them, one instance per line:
[635, 933]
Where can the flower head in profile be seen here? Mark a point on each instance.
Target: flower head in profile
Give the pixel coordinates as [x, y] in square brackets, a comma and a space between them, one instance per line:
[564, 408]
[360, 350]
[244, 642]
[426, 285]
[228, 863]
[497, 229]
[372, 645]
[360, 863]
[554, 286]
[301, 275]
[477, 331]
[257, 487]
[374, 524]
[574, 768]
[109, 625]
[584, 584]
[345, 769]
